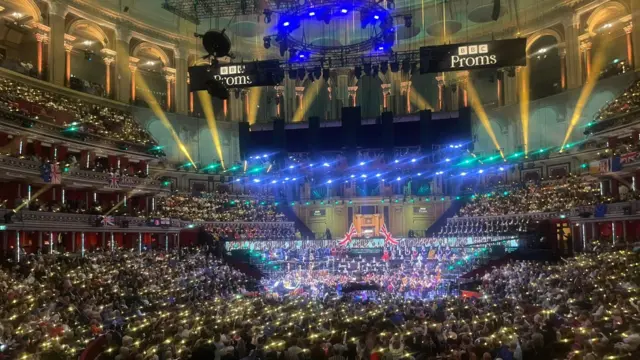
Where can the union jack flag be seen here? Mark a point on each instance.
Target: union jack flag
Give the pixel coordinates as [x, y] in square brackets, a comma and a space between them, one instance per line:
[108, 221]
[56, 177]
[388, 238]
[114, 180]
[347, 237]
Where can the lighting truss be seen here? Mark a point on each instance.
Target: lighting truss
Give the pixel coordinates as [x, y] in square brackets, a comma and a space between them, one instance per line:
[197, 10]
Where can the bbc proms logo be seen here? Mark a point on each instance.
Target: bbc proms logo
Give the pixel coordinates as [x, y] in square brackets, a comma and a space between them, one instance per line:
[473, 55]
[233, 75]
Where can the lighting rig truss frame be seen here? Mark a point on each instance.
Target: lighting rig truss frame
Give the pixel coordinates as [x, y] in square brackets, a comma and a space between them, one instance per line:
[198, 10]
[371, 13]
[405, 60]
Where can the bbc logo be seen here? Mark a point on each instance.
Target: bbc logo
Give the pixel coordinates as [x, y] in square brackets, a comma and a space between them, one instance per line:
[232, 70]
[473, 49]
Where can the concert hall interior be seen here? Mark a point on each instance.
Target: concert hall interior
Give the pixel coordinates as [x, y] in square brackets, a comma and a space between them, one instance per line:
[319, 179]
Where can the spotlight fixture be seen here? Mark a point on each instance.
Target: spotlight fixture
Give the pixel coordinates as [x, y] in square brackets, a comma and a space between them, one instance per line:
[310, 75]
[374, 70]
[357, 71]
[267, 15]
[407, 20]
[304, 55]
[384, 67]
[344, 11]
[301, 74]
[283, 46]
[406, 66]
[267, 42]
[293, 54]
[293, 73]
[217, 90]
[395, 67]
[391, 4]
[312, 13]
[317, 72]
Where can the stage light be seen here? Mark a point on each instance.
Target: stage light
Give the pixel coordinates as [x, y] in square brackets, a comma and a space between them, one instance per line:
[398, 178]
[374, 70]
[325, 164]
[256, 180]
[273, 181]
[391, 4]
[419, 174]
[361, 163]
[501, 168]
[283, 46]
[447, 159]
[377, 175]
[267, 42]
[463, 174]
[237, 180]
[312, 13]
[293, 74]
[301, 74]
[294, 179]
[384, 67]
[396, 161]
[480, 171]
[406, 66]
[326, 74]
[377, 17]
[352, 176]
[344, 11]
[363, 176]
[286, 23]
[317, 72]
[357, 72]
[395, 67]
[413, 160]
[329, 181]
[286, 179]
[267, 15]
[408, 20]
[290, 166]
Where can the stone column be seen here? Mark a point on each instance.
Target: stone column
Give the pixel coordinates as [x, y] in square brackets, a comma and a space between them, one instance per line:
[170, 77]
[353, 95]
[244, 95]
[124, 76]
[386, 93]
[68, 46]
[42, 37]
[573, 57]
[299, 96]
[585, 49]
[181, 90]
[342, 87]
[133, 69]
[562, 52]
[405, 89]
[190, 105]
[635, 35]
[109, 57]
[279, 101]
[440, 80]
[57, 13]
[629, 31]
[500, 87]
[463, 97]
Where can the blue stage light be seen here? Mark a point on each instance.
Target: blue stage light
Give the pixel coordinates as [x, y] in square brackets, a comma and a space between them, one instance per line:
[480, 171]
[256, 180]
[396, 161]
[273, 181]
[413, 160]
[363, 176]
[286, 23]
[290, 166]
[344, 11]
[377, 175]
[398, 178]
[501, 169]
[325, 165]
[312, 13]
[361, 163]
[329, 181]
[286, 179]
[294, 179]
[377, 17]
[419, 174]
[463, 174]
[352, 176]
[447, 159]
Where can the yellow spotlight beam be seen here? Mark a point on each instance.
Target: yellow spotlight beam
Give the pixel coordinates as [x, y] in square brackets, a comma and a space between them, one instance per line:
[207, 108]
[157, 111]
[33, 197]
[254, 101]
[474, 99]
[596, 66]
[418, 100]
[312, 92]
[525, 75]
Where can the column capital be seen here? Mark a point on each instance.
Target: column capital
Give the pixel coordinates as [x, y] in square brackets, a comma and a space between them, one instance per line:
[108, 53]
[133, 63]
[585, 45]
[352, 89]
[440, 80]
[279, 90]
[386, 89]
[628, 28]
[41, 32]
[405, 86]
[299, 90]
[329, 91]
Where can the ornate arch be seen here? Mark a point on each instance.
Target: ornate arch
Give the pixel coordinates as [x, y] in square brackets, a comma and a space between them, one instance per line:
[90, 28]
[152, 48]
[544, 32]
[29, 7]
[611, 10]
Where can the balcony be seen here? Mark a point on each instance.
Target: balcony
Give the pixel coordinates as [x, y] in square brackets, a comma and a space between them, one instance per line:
[30, 170]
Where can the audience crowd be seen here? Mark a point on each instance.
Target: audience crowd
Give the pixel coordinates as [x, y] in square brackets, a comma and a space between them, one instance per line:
[83, 116]
[534, 198]
[185, 306]
[626, 102]
[219, 207]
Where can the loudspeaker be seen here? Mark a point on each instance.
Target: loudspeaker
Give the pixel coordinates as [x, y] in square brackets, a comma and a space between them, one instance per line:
[245, 141]
[314, 133]
[351, 121]
[388, 135]
[427, 135]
